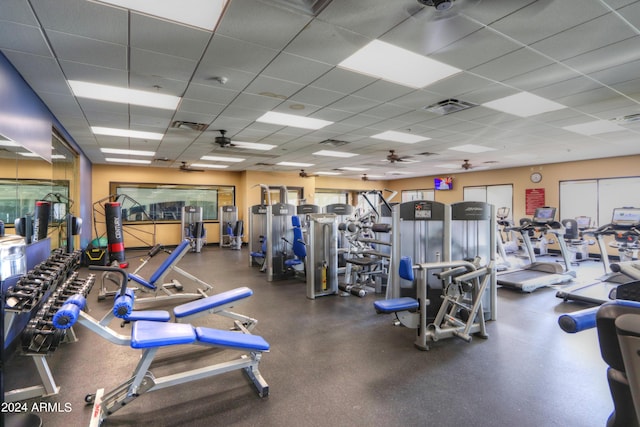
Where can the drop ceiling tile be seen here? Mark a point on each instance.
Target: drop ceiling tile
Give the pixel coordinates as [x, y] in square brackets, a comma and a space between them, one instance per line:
[343, 81]
[255, 102]
[208, 75]
[276, 88]
[511, 64]
[214, 94]
[476, 49]
[22, 38]
[90, 73]
[372, 19]
[567, 87]
[331, 115]
[354, 104]
[424, 35]
[154, 83]
[388, 111]
[326, 43]
[41, 73]
[88, 51]
[382, 91]
[554, 18]
[157, 64]
[295, 69]
[200, 107]
[237, 54]
[606, 57]
[168, 38]
[587, 97]
[618, 74]
[316, 96]
[541, 77]
[18, 12]
[584, 38]
[85, 19]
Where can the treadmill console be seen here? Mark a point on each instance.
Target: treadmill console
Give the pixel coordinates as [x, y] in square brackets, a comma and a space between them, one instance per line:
[544, 215]
[625, 217]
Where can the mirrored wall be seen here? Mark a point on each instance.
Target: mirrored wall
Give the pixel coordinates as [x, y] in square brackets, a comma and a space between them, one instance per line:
[26, 178]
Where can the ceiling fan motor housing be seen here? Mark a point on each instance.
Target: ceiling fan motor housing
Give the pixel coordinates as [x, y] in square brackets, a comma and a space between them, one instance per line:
[223, 141]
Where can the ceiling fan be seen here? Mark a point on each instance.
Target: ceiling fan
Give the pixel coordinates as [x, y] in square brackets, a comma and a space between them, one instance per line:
[466, 165]
[304, 174]
[392, 157]
[185, 167]
[222, 140]
[365, 177]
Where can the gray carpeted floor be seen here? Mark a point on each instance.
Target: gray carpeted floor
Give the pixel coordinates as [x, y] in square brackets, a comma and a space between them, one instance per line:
[335, 362]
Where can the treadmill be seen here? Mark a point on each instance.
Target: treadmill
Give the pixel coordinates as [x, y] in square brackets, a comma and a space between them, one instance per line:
[625, 227]
[539, 274]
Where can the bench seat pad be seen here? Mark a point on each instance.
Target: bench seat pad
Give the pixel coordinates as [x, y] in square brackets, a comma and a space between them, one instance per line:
[146, 334]
[211, 302]
[395, 305]
[231, 339]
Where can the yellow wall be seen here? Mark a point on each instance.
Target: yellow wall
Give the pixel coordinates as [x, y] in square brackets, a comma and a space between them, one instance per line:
[552, 174]
[248, 192]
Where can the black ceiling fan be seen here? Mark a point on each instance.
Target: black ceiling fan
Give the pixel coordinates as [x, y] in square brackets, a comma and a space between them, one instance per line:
[222, 140]
[392, 157]
[185, 167]
[466, 165]
[304, 174]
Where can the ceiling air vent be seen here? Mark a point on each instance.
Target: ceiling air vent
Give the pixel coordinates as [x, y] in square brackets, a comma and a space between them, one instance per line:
[179, 124]
[628, 119]
[448, 106]
[333, 142]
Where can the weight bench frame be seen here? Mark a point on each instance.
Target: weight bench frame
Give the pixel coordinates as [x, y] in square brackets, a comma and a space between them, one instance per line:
[157, 280]
[150, 336]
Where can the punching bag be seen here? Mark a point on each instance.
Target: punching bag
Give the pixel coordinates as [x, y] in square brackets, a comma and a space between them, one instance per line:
[41, 220]
[115, 237]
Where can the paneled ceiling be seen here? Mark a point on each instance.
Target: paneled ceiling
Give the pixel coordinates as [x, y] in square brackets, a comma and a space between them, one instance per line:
[284, 56]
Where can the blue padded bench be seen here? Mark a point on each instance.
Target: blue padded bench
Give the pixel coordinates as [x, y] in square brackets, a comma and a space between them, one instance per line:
[231, 339]
[212, 302]
[168, 262]
[146, 334]
[397, 304]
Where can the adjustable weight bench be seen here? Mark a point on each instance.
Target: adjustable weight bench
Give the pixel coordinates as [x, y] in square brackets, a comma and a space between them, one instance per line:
[157, 280]
[218, 304]
[151, 336]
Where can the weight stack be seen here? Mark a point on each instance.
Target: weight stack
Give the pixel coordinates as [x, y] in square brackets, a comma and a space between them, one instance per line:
[115, 237]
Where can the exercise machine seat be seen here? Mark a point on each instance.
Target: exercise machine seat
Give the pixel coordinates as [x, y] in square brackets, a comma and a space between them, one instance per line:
[395, 305]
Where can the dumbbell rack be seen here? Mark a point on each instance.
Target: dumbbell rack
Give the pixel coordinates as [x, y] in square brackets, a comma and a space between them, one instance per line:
[42, 291]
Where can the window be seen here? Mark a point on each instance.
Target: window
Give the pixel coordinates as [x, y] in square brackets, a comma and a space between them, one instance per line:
[330, 197]
[410, 195]
[164, 202]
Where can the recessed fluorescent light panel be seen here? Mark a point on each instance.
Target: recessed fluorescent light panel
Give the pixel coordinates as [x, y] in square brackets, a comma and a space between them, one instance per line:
[397, 65]
[58, 156]
[8, 143]
[328, 173]
[253, 146]
[222, 159]
[28, 154]
[594, 128]
[196, 13]
[302, 165]
[126, 133]
[353, 169]
[329, 153]
[123, 95]
[206, 165]
[471, 148]
[136, 161]
[407, 138]
[127, 152]
[524, 104]
[292, 120]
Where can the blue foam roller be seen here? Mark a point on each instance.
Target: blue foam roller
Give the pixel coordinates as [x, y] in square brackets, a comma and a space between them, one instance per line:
[122, 306]
[66, 316]
[78, 300]
[578, 321]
